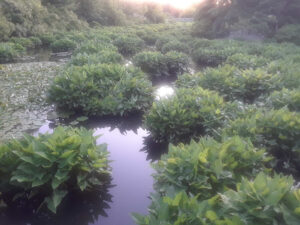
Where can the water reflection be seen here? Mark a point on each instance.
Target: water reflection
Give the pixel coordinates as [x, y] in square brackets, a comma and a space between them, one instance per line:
[76, 209]
[164, 92]
[154, 149]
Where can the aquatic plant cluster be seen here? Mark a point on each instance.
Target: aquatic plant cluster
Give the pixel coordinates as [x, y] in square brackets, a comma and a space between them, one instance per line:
[233, 125]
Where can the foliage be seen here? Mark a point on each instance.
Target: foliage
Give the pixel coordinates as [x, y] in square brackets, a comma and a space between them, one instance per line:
[175, 45]
[129, 45]
[104, 56]
[264, 200]
[245, 61]
[218, 18]
[154, 13]
[289, 33]
[212, 56]
[208, 167]
[101, 89]
[93, 46]
[53, 164]
[285, 98]
[159, 65]
[188, 114]
[10, 51]
[278, 131]
[233, 83]
[63, 45]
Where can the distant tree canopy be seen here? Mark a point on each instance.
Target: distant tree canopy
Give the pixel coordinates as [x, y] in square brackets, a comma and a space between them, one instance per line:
[31, 17]
[217, 18]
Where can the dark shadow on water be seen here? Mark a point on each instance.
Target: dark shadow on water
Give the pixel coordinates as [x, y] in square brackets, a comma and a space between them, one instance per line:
[154, 149]
[76, 209]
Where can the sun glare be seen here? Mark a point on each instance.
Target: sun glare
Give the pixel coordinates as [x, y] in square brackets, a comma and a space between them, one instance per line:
[180, 4]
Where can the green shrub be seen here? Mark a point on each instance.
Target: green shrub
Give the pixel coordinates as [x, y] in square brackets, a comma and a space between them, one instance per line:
[289, 33]
[51, 165]
[101, 90]
[212, 56]
[245, 61]
[37, 42]
[278, 131]
[63, 45]
[289, 71]
[188, 114]
[162, 40]
[159, 65]
[47, 39]
[92, 47]
[152, 63]
[104, 56]
[285, 98]
[208, 167]
[25, 42]
[129, 45]
[264, 200]
[177, 62]
[175, 45]
[150, 37]
[10, 51]
[233, 83]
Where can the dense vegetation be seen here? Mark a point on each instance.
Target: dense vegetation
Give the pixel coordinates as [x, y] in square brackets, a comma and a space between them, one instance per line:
[47, 167]
[233, 122]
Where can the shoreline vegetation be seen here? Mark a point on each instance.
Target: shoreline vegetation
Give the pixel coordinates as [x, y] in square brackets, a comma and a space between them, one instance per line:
[231, 124]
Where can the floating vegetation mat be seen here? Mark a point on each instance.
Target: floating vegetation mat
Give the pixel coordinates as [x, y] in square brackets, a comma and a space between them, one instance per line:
[23, 89]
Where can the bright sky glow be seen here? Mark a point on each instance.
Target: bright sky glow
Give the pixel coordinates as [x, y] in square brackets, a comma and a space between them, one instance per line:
[180, 4]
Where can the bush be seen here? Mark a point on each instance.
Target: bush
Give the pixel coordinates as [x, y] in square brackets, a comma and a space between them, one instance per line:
[159, 65]
[289, 33]
[208, 167]
[188, 114]
[245, 61]
[278, 131]
[93, 47]
[152, 63]
[233, 83]
[175, 45]
[264, 200]
[47, 167]
[104, 56]
[63, 45]
[10, 51]
[47, 39]
[25, 42]
[162, 40]
[129, 45]
[212, 56]
[150, 37]
[101, 90]
[285, 98]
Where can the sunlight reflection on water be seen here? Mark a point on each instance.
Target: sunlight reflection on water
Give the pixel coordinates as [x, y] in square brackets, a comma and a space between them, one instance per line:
[164, 92]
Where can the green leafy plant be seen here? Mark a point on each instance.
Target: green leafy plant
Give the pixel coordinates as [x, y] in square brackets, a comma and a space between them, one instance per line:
[278, 131]
[233, 83]
[285, 98]
[175, 45]
[104, 56]
[51, 165]
[188, 114]
[63, 45]
[264, 200]
[102, 89]
[208, 167]
[159, 65]
[94, 47]
[129, 45]
[245, 61]
[10, 51]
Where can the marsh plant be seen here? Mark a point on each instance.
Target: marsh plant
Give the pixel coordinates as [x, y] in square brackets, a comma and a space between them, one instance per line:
[47, 167]
[101, 89]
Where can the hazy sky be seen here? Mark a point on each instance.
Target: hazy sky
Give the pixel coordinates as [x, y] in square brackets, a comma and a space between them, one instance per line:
[177, 3]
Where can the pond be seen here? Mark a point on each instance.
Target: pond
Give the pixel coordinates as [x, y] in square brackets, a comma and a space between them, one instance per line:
[131, 151]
